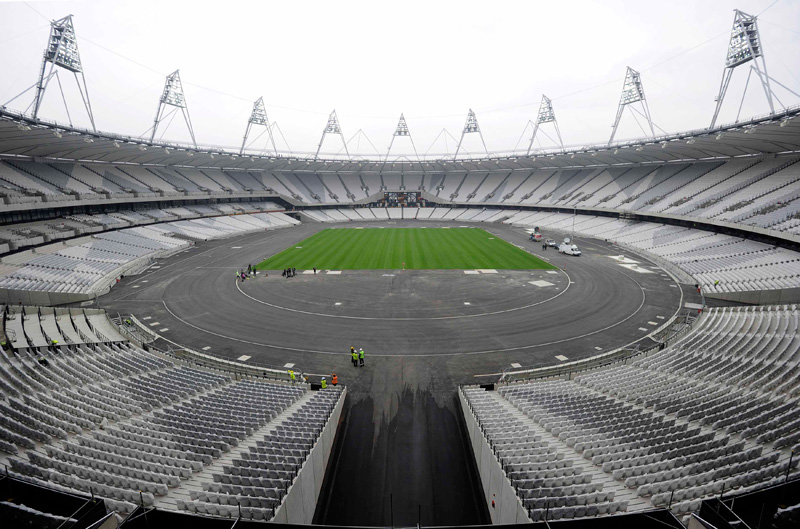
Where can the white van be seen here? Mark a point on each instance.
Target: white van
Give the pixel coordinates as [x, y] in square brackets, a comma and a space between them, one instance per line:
[569, 249]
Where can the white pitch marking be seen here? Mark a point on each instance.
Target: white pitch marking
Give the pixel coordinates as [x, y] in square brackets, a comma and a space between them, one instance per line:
[147, 318]
[552, 272]
[487, 270]
[287, 366]
[206, 348]
[145, 280]
[163, 330]
[244, 358]
[561, 357]
[540, 283]
[297, 247]
[674, 286]
[154, 324]
[155, 266]
[660, 317]
[236, 247]
[491, 238]
[387, 275]
[308, 271]
[335, 272]
[516, 365]
[136, 286]
[467, 303]
[598, 348]
[471, 272]
[642, 329]
[337, 303]
[652, 323]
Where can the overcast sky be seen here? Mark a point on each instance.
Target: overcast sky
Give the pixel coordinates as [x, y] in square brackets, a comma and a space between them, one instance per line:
[372, 60]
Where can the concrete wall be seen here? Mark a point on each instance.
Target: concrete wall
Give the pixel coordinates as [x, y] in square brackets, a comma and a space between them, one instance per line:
[49, 299]
[301, 501]
[508, 508]
[785, 296]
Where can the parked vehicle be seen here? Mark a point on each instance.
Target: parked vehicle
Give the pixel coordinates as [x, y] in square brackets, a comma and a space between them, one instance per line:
[569, 249]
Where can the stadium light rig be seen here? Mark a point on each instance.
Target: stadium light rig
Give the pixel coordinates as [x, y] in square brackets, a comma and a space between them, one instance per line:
[632, 92]
[332, 127]
[172, 96]
[258, 117]
[745, 47]
[546, 115]
[62, 51]
[470, 127]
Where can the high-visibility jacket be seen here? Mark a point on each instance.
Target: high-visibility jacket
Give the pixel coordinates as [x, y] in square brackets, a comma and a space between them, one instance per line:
[355, 355]
[324, 383]
[335, 380]
[361, 354]
[291, 375]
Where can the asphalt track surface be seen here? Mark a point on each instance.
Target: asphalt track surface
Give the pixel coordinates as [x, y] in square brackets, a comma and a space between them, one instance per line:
[400, 455]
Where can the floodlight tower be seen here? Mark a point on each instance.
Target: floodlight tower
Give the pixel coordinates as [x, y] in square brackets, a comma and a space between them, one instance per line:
[401, 130]
[62, 51]
[332, 127]
[258, 117]
[744, 47]
[172, 96]
[632, 92]
[546, 115]
[471, 126]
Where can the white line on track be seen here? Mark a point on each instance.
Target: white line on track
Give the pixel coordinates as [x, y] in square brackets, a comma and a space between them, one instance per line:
[511, 349]
[465, 353]
[504, 311]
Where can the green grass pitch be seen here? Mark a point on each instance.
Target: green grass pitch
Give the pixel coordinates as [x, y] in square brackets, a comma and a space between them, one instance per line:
[389, 248]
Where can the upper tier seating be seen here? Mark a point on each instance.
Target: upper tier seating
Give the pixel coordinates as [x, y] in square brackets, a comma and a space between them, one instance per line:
[754, 191]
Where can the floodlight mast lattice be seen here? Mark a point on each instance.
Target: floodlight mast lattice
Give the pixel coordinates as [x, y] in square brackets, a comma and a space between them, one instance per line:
[743, 47]
[172, 96]
[632, 92]
[332, 127]
[546, 115]
[258, 117]
[401, 130]
[470, 127]
[62, 51]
